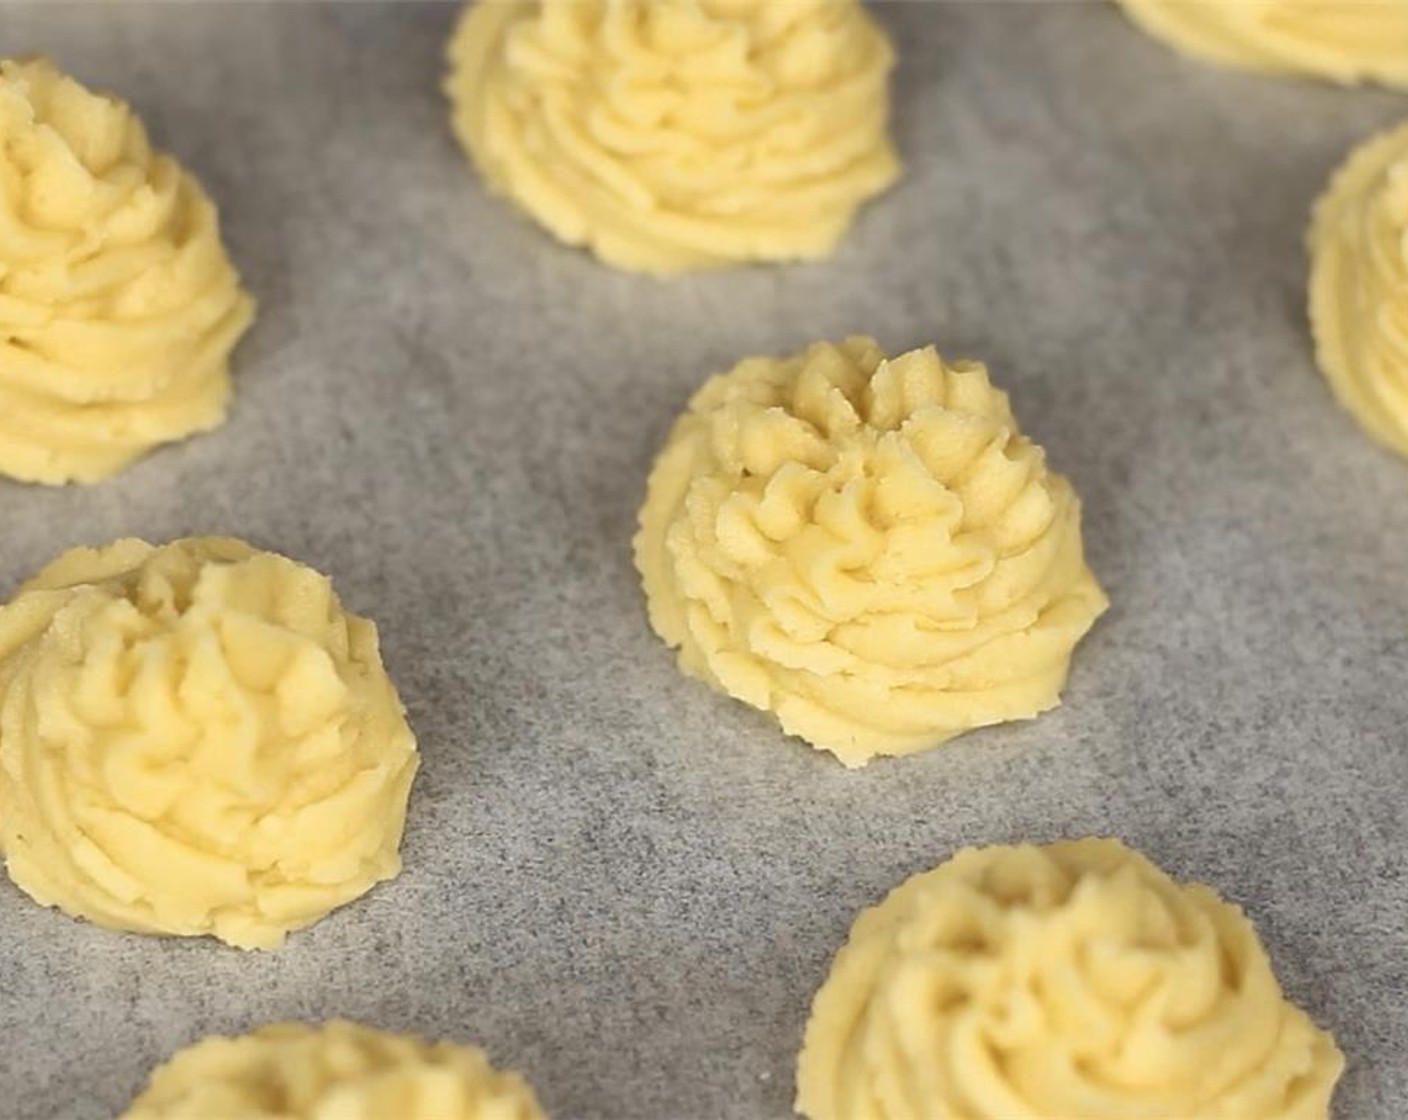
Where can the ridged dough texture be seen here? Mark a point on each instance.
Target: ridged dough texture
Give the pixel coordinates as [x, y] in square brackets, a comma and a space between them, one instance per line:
[1070, 982]
[1359, 286]
[669, 135]
[118, 305]
[1345, 41]
[196, 739]
[866, 547]
[334, 1071]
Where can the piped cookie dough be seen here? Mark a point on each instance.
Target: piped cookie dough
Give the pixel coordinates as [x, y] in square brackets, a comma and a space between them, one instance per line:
[334, 1071]
[1345, 41]
[1359, 286]
[669, 135]
[1075, 981]
[118, 305]
[867, 547]
[196, 739]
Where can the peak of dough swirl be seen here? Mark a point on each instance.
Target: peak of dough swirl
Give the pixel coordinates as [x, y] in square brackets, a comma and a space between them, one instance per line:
[678, 134]
[867, 547]
[1359, 286]
[1344, 41]
[1075, 981]
[335, 1071]
[196, 739]
[118, 305]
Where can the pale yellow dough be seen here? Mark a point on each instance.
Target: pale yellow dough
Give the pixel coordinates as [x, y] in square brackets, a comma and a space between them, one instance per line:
[335, 1071]
[1070, 982]
[118, 305]
[1359, 286]
[196, 739]
[669, 135]
[1344, 41]
[866, 547]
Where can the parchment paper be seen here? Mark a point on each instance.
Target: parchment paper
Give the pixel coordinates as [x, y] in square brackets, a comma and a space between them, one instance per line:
[618, 882]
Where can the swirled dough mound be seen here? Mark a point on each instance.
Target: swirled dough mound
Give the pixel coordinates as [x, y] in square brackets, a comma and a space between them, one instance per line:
[1069, 982]
[336, 1071]
[1343, 41]
[669, 135]
[1359, 286]
[118, 305]
[867, 547]
[196, 739]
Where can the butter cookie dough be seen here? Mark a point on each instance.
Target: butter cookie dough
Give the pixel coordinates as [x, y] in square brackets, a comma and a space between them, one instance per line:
[669, 135]
[1359, 286]
[1345, 41]
[196, 739]
[342, 1070]
[1075, 981]
[118, 305]
[867, 547]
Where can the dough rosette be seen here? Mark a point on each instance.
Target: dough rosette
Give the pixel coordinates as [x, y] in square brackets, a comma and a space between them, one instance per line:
[1070, 982]
[867, 547]
[678, 134]
[335, 1071]
[1359, 286]
[1344, 41]
[118, 305]
[196, 739]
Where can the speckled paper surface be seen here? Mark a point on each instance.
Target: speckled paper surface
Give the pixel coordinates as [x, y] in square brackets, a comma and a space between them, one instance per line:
[616, 881]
